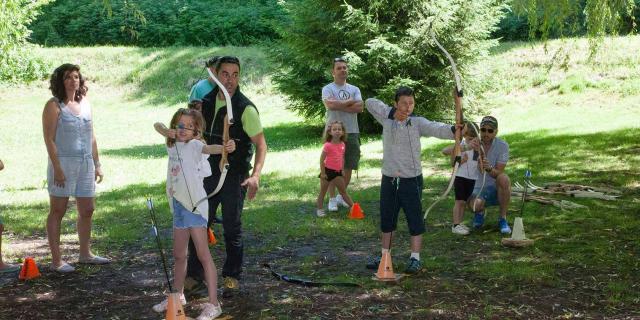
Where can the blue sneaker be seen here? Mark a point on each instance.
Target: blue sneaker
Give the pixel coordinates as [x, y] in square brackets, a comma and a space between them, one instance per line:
[478, 220]
[413, 266]
[504, 226]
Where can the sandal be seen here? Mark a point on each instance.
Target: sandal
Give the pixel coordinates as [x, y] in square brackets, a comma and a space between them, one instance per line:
[94, 260]
[63, 268]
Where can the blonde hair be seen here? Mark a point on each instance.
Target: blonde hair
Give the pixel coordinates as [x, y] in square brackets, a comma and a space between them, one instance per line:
[198, 123]
[327, 136]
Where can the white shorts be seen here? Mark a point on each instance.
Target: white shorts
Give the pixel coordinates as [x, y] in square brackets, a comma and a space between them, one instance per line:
[79, 173]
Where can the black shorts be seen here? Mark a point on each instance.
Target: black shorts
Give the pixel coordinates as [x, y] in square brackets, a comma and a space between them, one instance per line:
[331, 174]
[405, 194]
[463, 188]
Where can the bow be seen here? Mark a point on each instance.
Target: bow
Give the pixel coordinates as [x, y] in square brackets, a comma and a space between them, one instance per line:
[228, 121]
[458, 106]
[481, 166]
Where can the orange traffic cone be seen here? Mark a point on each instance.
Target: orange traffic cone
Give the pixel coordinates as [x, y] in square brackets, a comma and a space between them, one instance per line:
[356, 212]
[174, 308]
[212, 237]
[29, 269]
[385, 268]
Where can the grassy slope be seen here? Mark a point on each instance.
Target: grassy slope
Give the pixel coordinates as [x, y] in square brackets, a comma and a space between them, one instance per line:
[579, 125]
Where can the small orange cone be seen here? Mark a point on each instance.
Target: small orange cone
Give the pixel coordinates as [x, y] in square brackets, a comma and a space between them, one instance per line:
[212, 237]
[174, 308]
[356, 212]
[385, 268]
[29, 269]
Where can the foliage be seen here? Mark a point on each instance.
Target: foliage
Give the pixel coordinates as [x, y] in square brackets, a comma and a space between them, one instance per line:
[387, 44]
[553, 18]
[584, 260]
[16, 61]
[149, 23]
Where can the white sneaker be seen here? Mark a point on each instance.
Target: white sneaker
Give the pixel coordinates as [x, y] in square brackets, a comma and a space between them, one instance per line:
[320, 213]
[210, 311]
[341, 201]
[333, 205]
[162, 306]
[460, 229]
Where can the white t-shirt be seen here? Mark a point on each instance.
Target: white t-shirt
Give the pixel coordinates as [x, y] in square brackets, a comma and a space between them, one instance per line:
[344, 92]
[468, 166]
[185, 175]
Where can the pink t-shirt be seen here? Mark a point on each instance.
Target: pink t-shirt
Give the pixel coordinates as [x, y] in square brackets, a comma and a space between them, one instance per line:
[335, 155]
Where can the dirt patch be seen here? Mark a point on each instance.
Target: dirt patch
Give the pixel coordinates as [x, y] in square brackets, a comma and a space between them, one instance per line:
[127, 288]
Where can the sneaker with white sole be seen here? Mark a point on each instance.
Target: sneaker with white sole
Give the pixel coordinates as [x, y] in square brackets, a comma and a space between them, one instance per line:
[460, 229]
[320, 213]
[504, 226]
[333, 205]
[341, 201]
[210, 311]
[162, 306]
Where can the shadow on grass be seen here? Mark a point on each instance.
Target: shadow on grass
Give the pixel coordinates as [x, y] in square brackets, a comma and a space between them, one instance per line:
[602, 158]
[286, 137]
[168, 73]
[155, 151]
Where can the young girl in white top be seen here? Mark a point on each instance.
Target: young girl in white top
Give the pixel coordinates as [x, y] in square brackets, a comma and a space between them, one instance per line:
[185, 188]
[465, 177]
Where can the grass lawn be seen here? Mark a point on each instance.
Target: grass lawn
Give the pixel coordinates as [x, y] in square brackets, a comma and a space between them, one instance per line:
[574, 120]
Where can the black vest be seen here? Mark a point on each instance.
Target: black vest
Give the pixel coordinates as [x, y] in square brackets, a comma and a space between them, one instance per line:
[240, 159]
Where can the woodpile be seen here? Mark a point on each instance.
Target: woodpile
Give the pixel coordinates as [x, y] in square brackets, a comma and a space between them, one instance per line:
[572, 190]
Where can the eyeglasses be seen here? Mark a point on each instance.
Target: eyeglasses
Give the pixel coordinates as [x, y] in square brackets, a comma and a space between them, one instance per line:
[182, 127]
[487, 130]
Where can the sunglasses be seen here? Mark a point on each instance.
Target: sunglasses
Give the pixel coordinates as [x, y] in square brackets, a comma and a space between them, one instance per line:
[487, 130]
[182, 127]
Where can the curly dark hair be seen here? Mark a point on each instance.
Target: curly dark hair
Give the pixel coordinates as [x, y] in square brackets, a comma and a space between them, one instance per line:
[56, 83]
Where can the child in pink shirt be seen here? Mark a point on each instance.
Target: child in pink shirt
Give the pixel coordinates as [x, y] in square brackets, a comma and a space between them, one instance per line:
[331, 164]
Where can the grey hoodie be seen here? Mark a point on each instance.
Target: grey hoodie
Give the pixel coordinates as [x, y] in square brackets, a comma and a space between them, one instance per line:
[401, 140]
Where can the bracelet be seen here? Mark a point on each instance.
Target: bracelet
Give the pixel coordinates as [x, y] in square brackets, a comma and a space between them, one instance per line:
[488, 169]
[96, 164]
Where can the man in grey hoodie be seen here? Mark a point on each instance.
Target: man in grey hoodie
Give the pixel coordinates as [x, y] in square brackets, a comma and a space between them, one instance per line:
[402, 183]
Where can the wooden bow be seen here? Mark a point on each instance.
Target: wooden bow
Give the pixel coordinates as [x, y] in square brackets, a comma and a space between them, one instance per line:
[458, 134]
[228, 121]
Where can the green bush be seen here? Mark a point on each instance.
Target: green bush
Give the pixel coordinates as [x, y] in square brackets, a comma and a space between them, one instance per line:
[569, 19]
[387, 44]
[17, 63]
[150, 23]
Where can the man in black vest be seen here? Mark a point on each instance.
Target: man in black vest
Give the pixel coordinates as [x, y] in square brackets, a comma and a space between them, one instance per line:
[246, 130]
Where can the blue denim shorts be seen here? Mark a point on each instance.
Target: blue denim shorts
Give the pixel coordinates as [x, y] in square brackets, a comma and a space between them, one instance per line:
[183, 218]
[489, 194]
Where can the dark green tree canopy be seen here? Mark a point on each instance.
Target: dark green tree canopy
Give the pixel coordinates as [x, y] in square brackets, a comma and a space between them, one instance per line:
[387, 43]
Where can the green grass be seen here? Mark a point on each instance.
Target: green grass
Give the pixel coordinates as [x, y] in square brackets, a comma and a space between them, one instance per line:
[578, 125]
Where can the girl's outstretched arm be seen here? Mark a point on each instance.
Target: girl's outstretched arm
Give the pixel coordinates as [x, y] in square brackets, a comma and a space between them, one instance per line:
[217, 148]
[164, 131]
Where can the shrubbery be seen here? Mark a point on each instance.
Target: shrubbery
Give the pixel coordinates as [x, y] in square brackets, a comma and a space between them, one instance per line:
[17, 63]
[150, 23]
[387, 43]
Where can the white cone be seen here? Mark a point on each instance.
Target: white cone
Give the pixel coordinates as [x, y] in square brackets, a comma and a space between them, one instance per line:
[518, 230]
